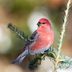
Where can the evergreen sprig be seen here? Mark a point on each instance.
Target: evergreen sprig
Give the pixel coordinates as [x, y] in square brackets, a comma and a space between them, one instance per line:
[19, 33]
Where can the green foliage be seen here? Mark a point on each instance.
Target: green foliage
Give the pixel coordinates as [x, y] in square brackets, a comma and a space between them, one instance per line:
[65, 61]
[19, 33]
[21, 7]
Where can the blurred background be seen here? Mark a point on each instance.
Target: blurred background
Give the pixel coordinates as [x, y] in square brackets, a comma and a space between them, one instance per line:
[24, 14]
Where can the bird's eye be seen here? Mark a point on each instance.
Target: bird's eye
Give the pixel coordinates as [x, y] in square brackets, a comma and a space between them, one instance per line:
[43, 23]
[39, 22]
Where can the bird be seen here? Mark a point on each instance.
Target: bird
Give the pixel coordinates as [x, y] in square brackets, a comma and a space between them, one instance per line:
[40, 40]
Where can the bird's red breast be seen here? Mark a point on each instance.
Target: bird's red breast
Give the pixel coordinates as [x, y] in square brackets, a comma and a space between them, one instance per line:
[45, 39]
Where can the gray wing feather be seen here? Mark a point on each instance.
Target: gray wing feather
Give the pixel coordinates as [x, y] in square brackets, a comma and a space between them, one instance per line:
[32, 39]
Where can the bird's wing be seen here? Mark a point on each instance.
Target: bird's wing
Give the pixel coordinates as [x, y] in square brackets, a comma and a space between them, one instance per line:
[32, 39]
[34, 36]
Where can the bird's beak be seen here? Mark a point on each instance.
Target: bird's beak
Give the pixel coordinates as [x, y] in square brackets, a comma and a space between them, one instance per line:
[38, 24]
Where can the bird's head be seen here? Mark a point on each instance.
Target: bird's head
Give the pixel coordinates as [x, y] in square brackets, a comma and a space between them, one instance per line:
[43, 21]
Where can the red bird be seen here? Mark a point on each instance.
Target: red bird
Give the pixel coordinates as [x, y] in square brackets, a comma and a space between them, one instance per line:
[39, 42]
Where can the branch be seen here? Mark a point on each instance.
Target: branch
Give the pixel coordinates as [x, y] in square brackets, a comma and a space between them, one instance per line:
[19, 33]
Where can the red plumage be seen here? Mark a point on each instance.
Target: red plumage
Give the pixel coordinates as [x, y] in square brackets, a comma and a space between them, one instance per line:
[42, 39]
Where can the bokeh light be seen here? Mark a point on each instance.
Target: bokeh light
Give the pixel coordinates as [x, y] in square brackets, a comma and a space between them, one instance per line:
[5, 39]
[34, 18]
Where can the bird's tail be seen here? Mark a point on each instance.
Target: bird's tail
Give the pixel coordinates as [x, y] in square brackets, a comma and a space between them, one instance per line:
[20, 58]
